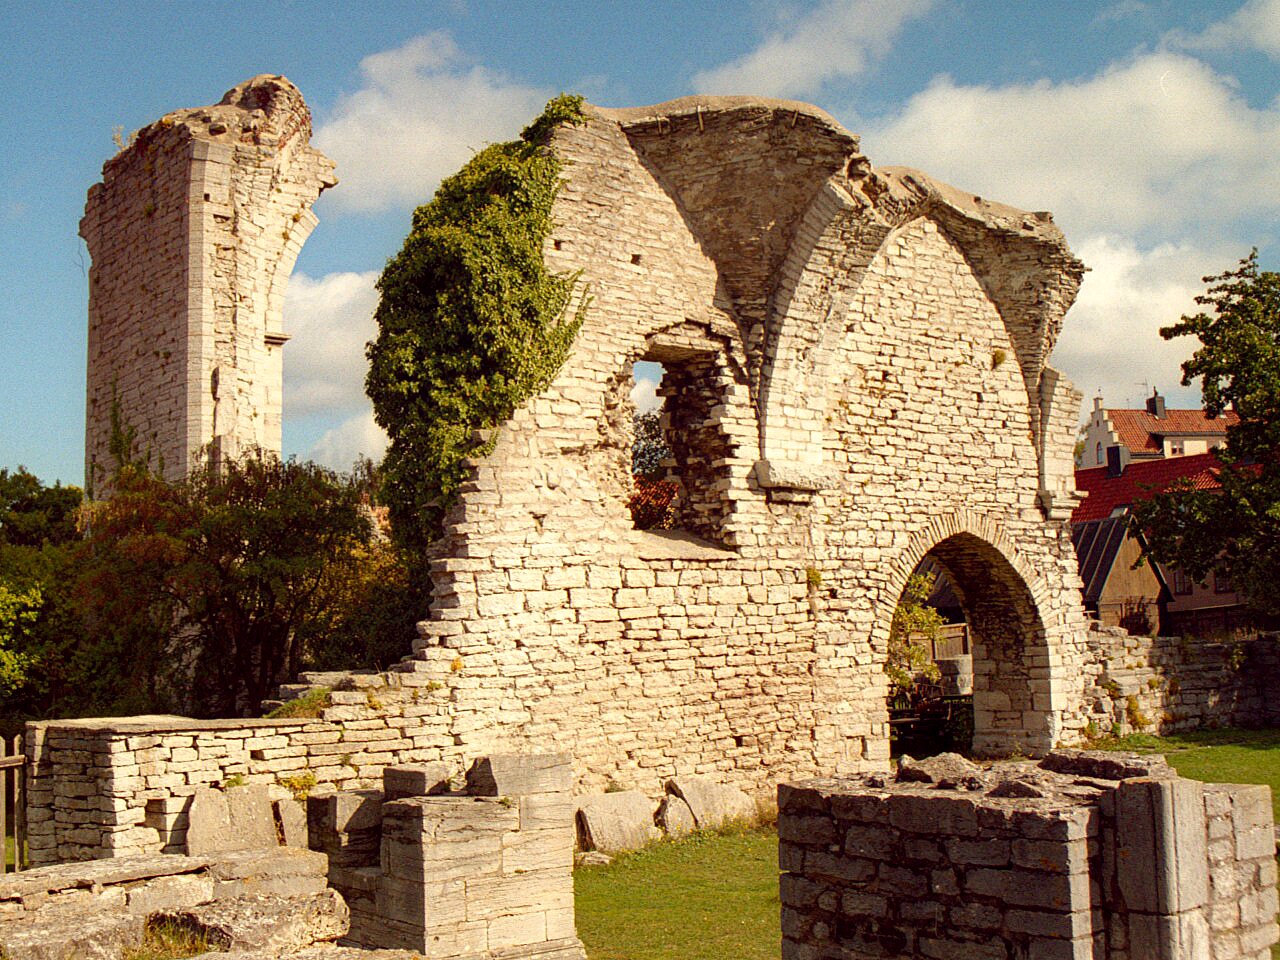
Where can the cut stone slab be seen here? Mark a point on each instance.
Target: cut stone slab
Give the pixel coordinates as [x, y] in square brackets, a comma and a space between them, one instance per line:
[616, 821]
[675, 817]
[415, 780]
[519, 775]
[279, 924]
[239, 818]
[90, 937]
[291, 823]
[278, 872]
[713, 804]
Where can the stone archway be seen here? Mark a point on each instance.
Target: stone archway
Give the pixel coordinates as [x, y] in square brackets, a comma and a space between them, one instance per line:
[1014, 668]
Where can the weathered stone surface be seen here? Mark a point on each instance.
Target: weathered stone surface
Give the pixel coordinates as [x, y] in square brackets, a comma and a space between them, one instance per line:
[946, 770]
[415, 780]
[291, 821]
[675, 817]
[512, 775]
[281, 924]
[87, 937]
[616, 821]
[169, 893]
[713, 804]
[239, 818]
[1106, 765]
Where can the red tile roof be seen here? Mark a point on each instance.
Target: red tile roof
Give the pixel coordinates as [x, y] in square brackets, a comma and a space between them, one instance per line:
[1141, 431]
[1140, 480]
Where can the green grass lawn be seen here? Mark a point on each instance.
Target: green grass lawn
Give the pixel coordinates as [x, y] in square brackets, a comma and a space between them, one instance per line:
[707, 897]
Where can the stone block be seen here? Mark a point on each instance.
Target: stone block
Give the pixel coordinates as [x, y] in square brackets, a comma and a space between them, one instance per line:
[239, 818]
[1161, 859]
[169, 893]
[279, 924]
[513, 775]
[675, 817]
[615, 821]
[86, 937]
[713, 804]
[415, 780]
[291, 821]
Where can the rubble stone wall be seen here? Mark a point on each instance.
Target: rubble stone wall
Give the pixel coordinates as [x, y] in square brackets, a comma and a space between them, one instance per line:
[1089, 861]
[1143, 684]
[854, 378]
[193, 233]
[119, 787]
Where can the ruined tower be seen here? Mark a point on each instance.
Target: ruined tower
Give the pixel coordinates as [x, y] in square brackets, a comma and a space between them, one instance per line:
[193, 233]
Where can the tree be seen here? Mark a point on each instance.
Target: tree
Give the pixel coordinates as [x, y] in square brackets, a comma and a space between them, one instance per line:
[650, 446]
[214, 578]
[1234, 530]
[32, 514]
[915, 626]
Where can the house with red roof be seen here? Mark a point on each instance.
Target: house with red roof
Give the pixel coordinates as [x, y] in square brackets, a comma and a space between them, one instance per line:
[1148, 596]
[1156, 432]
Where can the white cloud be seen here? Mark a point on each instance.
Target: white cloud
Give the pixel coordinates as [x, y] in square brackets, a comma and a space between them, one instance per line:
[1256, 25]
[644, 394]
[357, 436]
[838, 39]
[330, 320]
[1111, 340]
[1156, 141]
[423, 110]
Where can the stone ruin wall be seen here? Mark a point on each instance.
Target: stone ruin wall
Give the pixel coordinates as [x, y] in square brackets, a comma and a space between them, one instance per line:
[748, 246]
[193, 233]
[1084, 857]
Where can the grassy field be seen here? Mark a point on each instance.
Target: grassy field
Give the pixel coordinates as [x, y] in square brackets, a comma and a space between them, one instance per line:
[707, 897]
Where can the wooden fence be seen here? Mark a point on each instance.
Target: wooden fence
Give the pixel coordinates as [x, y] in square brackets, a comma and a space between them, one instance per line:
[13, 804]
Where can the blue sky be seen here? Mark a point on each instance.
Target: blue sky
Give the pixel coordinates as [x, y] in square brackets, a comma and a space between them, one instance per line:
[1150, 129]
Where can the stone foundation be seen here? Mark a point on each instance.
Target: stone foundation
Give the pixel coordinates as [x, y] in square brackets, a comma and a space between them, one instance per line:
[1083, 857]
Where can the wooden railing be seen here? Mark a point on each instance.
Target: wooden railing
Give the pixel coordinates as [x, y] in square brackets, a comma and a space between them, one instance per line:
[13, 804]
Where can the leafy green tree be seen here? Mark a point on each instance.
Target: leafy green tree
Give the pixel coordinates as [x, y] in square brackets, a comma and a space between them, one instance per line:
[32, 514]
[1234, 530]
[915, 626]
[650, 446]
[207, 584]
[19, 611]
[471, 323]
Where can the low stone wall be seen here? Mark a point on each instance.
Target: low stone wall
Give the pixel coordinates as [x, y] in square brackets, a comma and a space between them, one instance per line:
[118, 787]
[1172, 684]
[1083, 856]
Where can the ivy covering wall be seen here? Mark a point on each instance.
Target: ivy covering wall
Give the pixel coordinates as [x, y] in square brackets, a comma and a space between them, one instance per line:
[470, 322]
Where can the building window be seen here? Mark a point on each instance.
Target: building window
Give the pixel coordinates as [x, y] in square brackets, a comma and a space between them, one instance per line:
[1181, 583]
[1177, 448]
[1222, 583]
[1097, 454]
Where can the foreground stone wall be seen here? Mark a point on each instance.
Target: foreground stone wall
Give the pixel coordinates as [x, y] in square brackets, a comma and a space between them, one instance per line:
[193, 233]
[1172, 684]
[1087, 857]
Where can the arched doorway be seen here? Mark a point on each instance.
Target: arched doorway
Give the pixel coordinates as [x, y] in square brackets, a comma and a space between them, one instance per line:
[1013, 709]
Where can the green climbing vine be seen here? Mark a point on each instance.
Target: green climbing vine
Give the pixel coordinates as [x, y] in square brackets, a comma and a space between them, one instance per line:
[470, 321]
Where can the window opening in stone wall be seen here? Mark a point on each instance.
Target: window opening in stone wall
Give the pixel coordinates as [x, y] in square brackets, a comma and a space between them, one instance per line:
[678, 455]
[653, 494]
[931, 668]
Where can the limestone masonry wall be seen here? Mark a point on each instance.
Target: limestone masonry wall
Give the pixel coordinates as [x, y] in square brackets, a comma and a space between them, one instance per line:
[1086, 856]
[193, 233]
